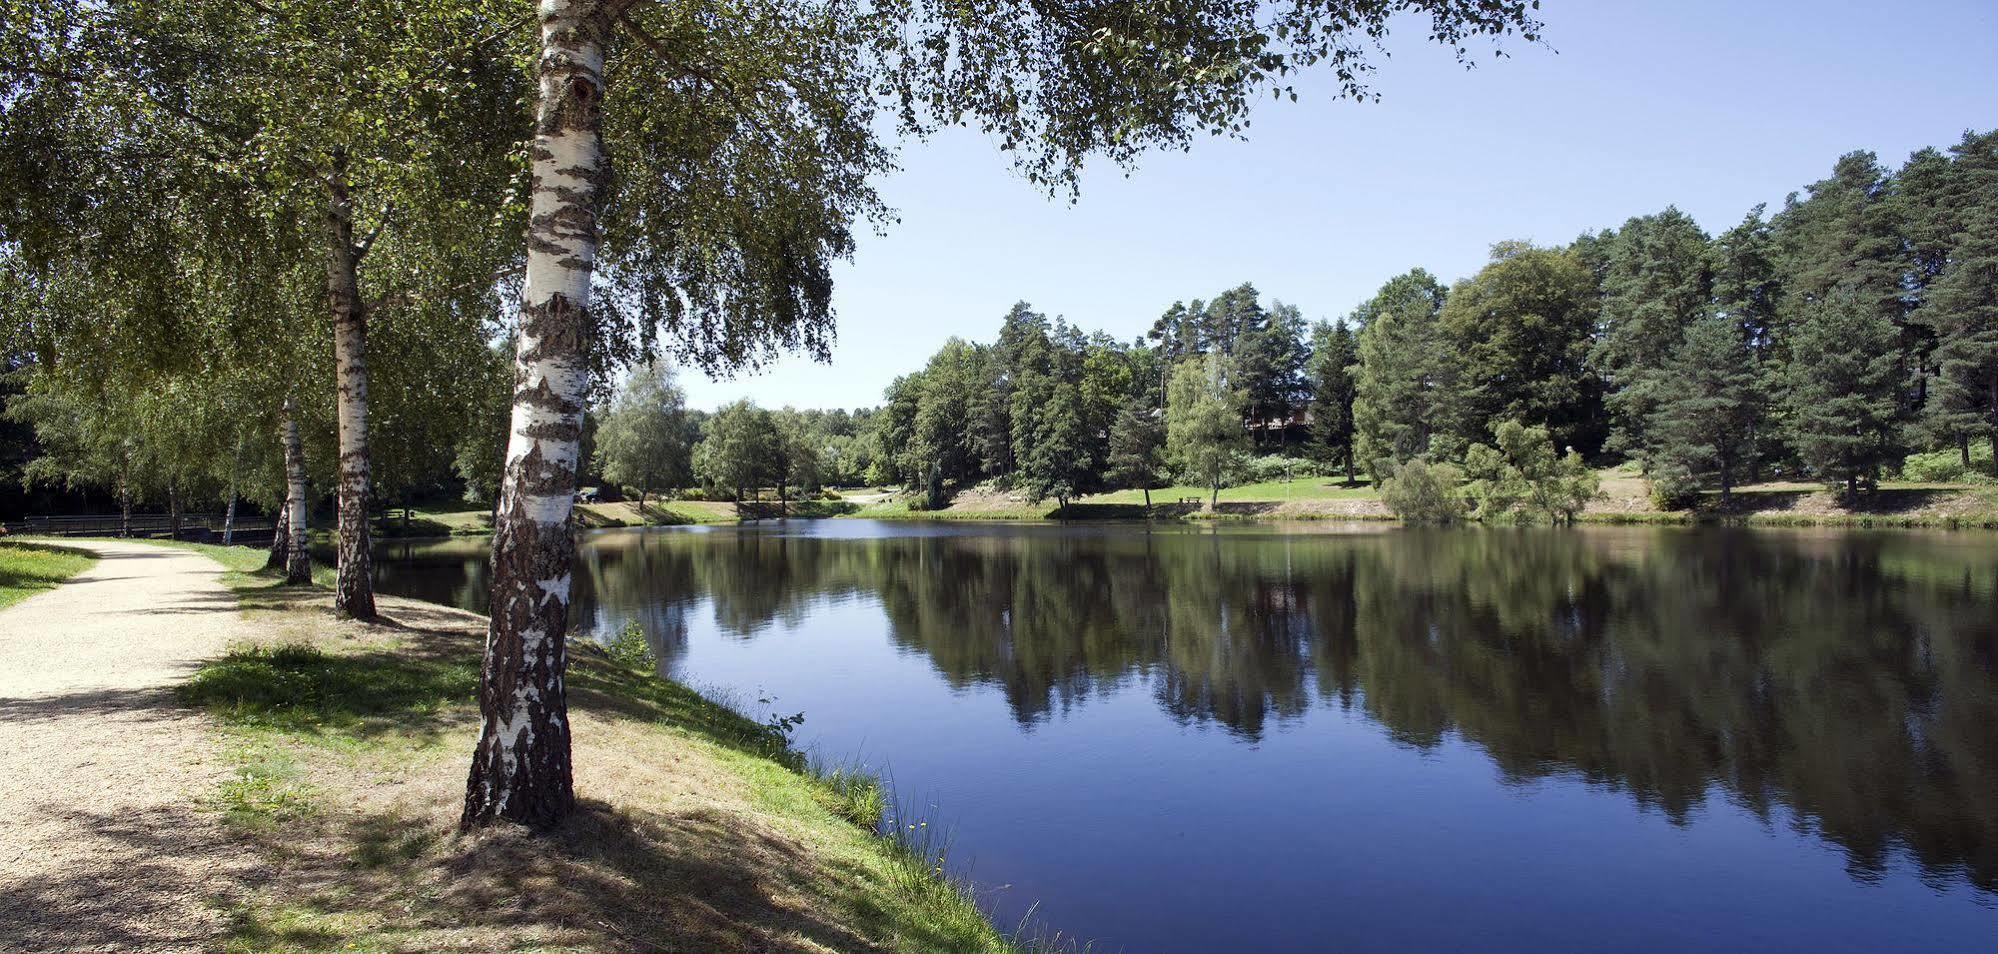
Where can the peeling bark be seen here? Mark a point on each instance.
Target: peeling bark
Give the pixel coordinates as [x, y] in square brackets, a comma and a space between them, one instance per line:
[353, 591]
[521, 768]
[298, 560]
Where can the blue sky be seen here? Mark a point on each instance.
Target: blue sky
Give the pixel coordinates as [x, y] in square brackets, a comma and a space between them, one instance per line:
[1628, 107]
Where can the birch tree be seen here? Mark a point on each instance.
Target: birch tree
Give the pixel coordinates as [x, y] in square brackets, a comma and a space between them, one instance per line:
[749, 137]
[388, 141]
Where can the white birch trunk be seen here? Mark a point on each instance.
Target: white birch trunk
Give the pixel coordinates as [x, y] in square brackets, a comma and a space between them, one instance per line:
[521, 770]
[298, 560]
[353, 590]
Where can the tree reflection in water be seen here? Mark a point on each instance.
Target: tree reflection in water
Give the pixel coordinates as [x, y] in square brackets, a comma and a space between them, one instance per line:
[1846, 676]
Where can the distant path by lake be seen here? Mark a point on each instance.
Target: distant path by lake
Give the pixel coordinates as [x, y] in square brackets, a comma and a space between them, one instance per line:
[104, 843]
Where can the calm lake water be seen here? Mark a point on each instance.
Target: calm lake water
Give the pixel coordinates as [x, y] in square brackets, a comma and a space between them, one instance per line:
[1365, 738]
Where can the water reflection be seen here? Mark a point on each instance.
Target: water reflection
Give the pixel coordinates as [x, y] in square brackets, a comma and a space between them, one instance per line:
[1847, 678]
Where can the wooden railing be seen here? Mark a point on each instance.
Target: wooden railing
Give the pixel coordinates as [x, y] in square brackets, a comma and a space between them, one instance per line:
[193, 526]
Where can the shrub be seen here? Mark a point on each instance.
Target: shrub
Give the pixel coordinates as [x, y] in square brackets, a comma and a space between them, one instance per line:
[1673, 487]
[1946, 465]
[1421, 492]
[1276, 467]
[1521, 480]
[629, 648]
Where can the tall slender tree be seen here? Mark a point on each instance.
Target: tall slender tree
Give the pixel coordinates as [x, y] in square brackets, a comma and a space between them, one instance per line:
[1334, 360]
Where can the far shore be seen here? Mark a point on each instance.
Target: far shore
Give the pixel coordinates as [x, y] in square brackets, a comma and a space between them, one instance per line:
[1624, 500]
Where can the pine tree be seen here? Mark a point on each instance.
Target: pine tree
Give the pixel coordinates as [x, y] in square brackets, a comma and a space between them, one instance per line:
[1748, 291]
[1269, 367]
[1704, 429]
[1951, 218]
[1963, 308]
[1402, 372]
[1058, 464]
[1656, 281]
[1845, 390]
[1334, 356]
[1137, 447]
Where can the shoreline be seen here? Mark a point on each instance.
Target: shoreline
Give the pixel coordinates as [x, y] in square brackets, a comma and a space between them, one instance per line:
[344, 736]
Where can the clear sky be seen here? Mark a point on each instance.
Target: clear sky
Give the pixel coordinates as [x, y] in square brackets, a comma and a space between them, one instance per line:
[1628, 107]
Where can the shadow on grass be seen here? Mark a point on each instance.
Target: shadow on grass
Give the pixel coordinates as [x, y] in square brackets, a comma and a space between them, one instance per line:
[685, 875]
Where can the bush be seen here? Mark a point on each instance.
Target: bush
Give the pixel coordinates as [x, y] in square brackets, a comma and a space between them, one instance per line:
[1946, 465]
[629, 648]
[1276, 467]
[1421, 492]
[1673, 487]
[1521, 480]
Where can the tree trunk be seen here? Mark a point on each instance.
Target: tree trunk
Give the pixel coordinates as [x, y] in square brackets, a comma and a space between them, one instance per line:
[297, 559]
[280, 544]
[173, 511]
[521, 770]
[229, 517]
[1148, 500]
[1963, 448]
[353, 591]
[1214, 497]
[125, 510]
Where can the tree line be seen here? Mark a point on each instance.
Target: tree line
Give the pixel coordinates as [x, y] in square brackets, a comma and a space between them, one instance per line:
[1856, 323]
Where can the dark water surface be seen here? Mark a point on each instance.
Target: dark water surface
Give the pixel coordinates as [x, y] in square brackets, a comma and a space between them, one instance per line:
[1192, 740]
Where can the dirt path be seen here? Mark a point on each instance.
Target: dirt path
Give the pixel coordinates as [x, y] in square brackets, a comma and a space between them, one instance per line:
[104, 841]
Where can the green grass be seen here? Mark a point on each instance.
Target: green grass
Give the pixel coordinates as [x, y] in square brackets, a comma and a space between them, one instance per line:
[30, 568]
[402, 701]
[1268, 491]
[435, 523]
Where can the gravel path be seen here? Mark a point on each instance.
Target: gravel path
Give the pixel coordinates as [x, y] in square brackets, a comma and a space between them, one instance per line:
[104, 841]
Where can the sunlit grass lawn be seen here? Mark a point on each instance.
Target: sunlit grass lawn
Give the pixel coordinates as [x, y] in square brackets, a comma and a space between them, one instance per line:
[1268, 491]
[29, 568]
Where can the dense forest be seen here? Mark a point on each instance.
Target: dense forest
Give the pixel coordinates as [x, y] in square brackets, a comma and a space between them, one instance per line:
[1855, 325]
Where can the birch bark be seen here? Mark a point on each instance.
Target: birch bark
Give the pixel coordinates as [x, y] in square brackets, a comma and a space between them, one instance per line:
[298, 560]
[521, 769]
[353, 590]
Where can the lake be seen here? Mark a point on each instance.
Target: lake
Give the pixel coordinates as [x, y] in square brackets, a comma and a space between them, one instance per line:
[1362, 738]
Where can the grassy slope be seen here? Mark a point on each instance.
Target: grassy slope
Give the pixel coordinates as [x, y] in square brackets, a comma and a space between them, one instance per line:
[1625, 500]
[29, 568]
[699, 829]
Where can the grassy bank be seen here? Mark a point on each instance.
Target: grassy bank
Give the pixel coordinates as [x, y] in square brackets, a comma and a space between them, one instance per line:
[699, 829]
[1625, 500]
[29, 568]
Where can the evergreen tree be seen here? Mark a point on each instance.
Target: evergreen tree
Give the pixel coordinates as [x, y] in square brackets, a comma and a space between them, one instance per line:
[1953, 235]
[1402, 370]
[1334, 359]
[1137, 447]
[1844, 398]
[1704, 429]
[1269, 367]
[1963, 308]
[1656, 280]
[1748, 292]
[1058, 463]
